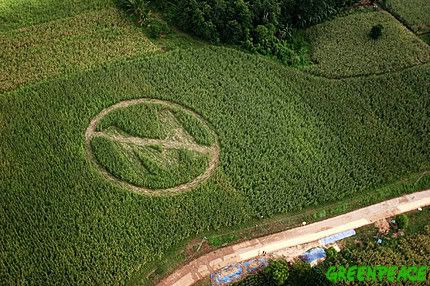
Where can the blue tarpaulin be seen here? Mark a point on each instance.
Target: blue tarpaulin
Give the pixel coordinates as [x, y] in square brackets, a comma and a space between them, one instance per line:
[235, 272]
[313, 254]
[229, 274]
[337, 236]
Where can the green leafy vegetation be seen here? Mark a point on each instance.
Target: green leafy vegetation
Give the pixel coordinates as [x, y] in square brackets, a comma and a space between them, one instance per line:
[141, 120]
[402, 221]
[151, 166]
[341, 47]
[157, 28]
[217, 241]
[414, 13]
[139, 9]
[277, 272]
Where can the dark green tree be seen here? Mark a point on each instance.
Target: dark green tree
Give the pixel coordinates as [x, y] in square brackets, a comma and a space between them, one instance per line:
[277, 272]
[376, 31]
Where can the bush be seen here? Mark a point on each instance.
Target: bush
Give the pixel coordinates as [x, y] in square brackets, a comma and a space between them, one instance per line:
[402, 221]
[376, 31]
[277, 272]
[331, 253]
[139, 9]
[156, 28]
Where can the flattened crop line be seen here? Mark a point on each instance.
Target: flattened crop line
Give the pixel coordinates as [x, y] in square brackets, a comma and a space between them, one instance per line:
[164, 143]
[213, 151]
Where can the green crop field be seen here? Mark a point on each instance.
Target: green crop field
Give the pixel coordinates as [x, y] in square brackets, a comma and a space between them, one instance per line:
[336, 55]
[22, 13]
[67, 45]
[415, 13]
[239, 136]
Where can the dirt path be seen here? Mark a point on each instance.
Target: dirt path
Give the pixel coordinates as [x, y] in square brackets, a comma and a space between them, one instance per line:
[280, 242]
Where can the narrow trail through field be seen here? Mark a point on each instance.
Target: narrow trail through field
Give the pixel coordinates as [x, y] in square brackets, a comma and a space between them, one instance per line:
[364, 75]
[201, 267]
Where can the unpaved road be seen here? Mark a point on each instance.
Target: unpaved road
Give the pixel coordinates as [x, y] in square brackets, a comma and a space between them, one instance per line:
[276, 243]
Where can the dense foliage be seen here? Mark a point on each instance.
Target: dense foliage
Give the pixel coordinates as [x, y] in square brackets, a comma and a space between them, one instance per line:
[376, 31]
[402, 221]
[288, 141]
[277, 272]
[263, 26]
[139, 9]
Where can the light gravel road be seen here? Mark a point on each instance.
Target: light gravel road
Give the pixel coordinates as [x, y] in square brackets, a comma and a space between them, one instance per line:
[201, 267]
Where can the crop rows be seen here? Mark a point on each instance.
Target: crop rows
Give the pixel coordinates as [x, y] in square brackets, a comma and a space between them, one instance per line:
[288, 141]
[336, 55]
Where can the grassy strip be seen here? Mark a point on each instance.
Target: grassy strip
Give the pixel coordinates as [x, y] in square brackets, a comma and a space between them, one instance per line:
[414, 13]
[342, 47]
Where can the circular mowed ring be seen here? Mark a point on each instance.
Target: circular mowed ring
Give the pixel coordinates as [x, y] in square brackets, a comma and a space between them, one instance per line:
[152, 146]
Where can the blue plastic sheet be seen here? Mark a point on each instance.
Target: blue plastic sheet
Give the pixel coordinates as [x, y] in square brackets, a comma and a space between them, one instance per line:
[337, 236]
[313, 254]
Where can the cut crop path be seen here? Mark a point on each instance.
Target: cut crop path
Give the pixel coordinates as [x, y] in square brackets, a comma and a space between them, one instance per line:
[342, 48]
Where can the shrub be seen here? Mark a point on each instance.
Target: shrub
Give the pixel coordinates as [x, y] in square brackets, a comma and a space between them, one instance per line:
[277, 272]
[156, 28]
[402, 221]
[139, 9]
[376, 31]
[331, 253]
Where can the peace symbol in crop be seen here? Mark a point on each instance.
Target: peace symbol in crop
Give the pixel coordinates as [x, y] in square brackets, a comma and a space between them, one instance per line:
[152, 146]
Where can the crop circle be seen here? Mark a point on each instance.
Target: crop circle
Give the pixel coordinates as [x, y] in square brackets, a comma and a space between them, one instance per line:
[152, 146]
